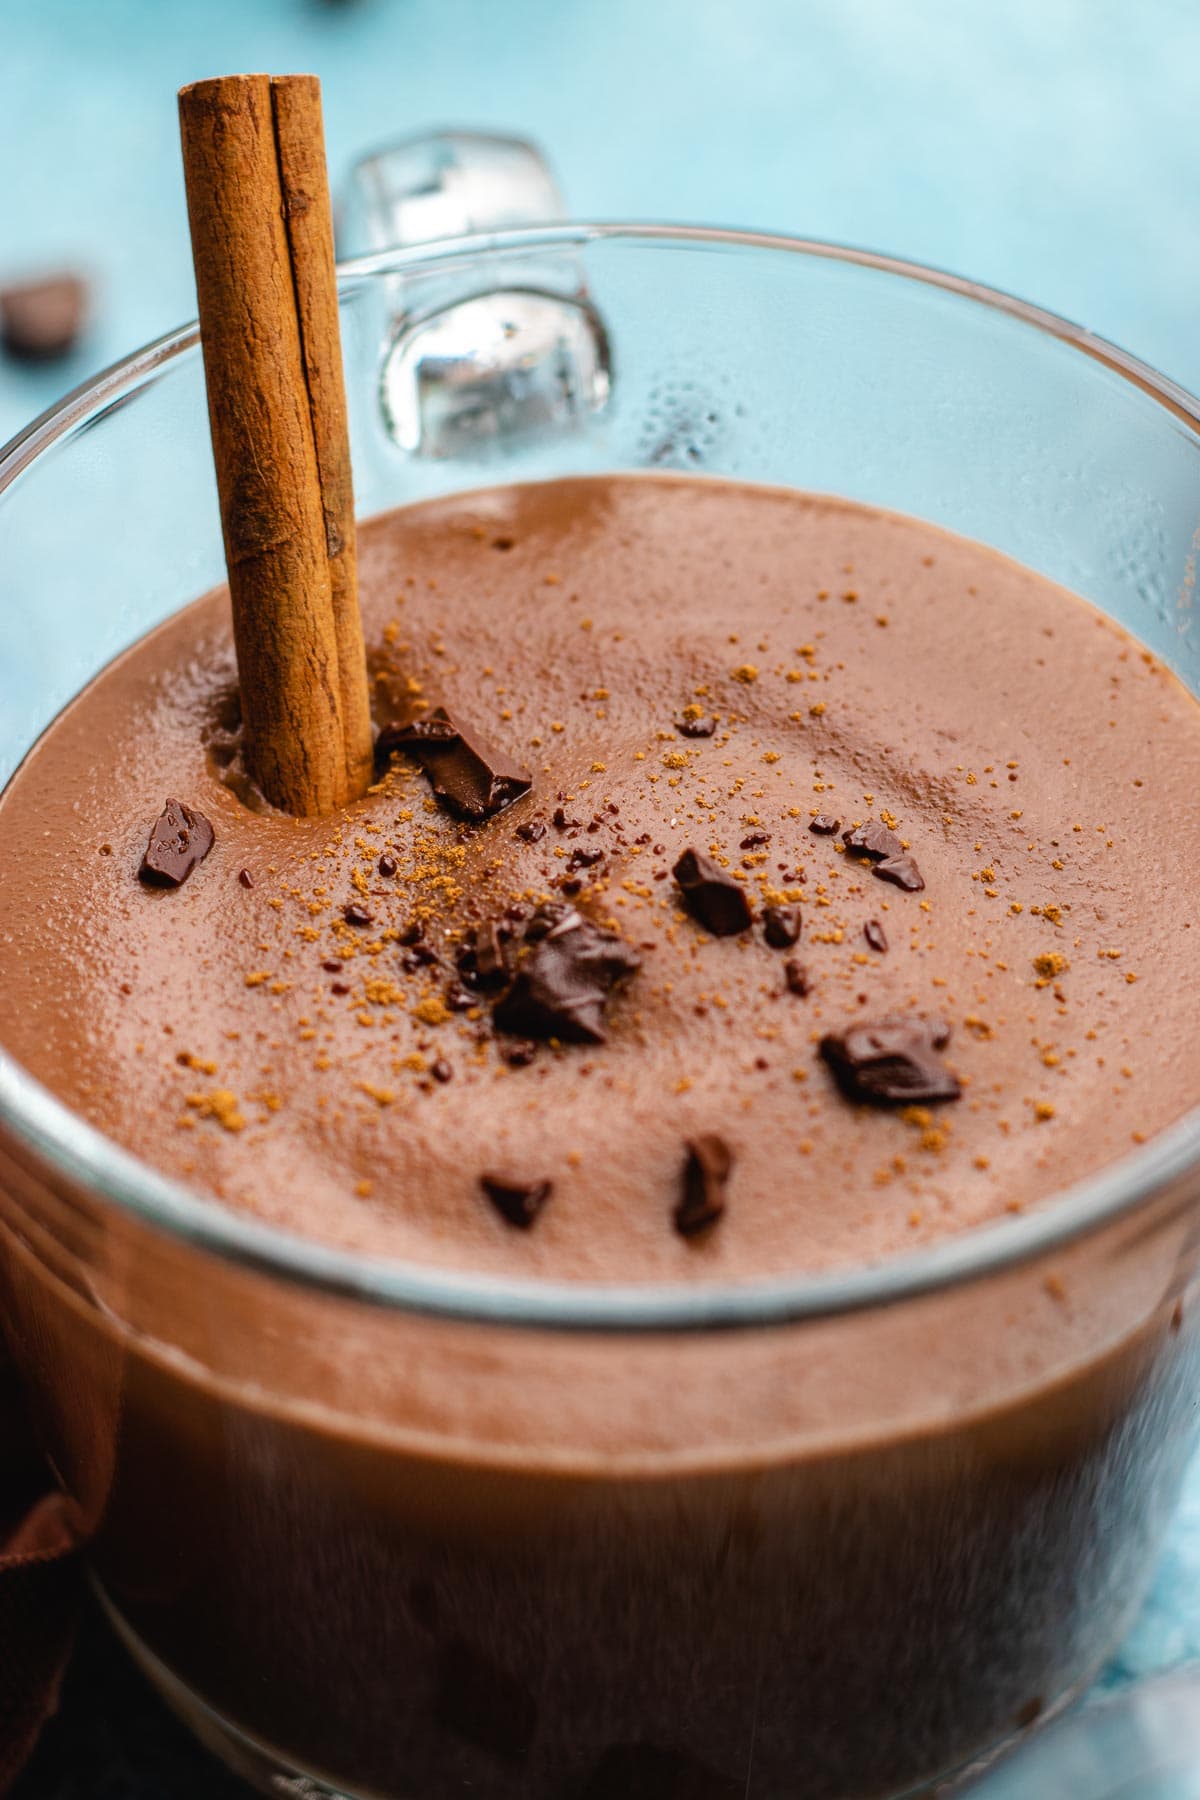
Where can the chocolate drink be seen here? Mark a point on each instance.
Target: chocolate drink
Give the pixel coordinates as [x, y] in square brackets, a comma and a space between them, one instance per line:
[753, 883]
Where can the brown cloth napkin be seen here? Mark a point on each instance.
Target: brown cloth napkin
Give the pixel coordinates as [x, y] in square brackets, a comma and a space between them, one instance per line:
[40, 1585]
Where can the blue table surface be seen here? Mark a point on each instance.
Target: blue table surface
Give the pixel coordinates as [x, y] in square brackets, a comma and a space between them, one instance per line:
[1044, 146]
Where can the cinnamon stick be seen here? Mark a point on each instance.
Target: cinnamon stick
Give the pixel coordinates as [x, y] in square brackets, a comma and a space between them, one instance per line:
[304, 177]
[273, 386]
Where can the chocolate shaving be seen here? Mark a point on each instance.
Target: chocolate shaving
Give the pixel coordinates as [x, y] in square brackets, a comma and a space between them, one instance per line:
[825, 825]
[754, 840]
[517, 1201]
[180, 839]
[584, 859]
[781, 926]
[715, 900]
[696, 728]
[873, 841]
[705, 1174]
[901, 871]
[532, 830]
[566, 968]
[893, 1062]
[875, 935]
[387, 866]
[468, 776]
[796, 976]
[486, 958]
[246, 878]
[354, 914]
[441, 1070]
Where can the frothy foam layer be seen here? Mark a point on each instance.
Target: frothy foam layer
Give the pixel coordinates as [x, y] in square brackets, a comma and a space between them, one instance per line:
[301, 1029]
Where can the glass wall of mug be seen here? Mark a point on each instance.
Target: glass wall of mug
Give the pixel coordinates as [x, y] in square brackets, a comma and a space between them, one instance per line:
[405, 1532]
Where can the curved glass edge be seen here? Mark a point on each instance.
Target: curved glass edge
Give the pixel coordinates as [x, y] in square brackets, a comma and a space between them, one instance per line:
[88, 1158]
[85, 1156]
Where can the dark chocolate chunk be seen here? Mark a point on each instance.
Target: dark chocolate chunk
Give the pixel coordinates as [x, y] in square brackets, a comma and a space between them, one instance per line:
[715, 900]
[492, 952]
[562, 822]
[179, 840]
[519, 1054]
[567, 968]
[875, 935]
[413, 932]
[872, 840]
[468, 776]
[518, 1201]
[410, 734]
[532, 830]
[441, 1070]
[647, 1772]
[696, 728]
[893, 1062]
[333, 966]
[902, 871]
[781, 926]
[387, 866]
[705, 1174]
[824, 825]
[41, 320]
[354, 914]
[584, 859]
[339, 987]
[246, 878]
[755, 840]
[796, 976]
[478, 1700]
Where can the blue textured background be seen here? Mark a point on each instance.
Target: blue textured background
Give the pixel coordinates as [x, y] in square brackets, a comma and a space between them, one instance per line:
[1045, 146]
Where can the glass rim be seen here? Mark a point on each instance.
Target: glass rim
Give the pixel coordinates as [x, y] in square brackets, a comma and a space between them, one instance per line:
[86, 1157]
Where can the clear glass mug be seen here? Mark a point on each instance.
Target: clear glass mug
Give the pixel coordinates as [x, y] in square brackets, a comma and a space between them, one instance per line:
[391, 1531]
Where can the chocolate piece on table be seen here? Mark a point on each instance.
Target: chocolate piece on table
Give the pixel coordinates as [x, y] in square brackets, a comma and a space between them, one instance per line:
[715, 900]
[893, 1062]
[562, 822]
[705, 1174]
[41, 320]
[441, 1070]
[696, 728]
[567, 969]
[516, 1200]
[478, 1700]
[901, 871]
[873, 841]
[387, 866]
[179, 840]
[354, 914]
[472, 780]
[796, 976]
[875, 935]
[584, 859]
[824, 825]
[532, 830]
[754, 840]
[781, 926]
[246, 878]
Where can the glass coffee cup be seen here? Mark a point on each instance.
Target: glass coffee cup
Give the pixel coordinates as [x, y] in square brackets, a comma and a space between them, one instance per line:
[827, 1536]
